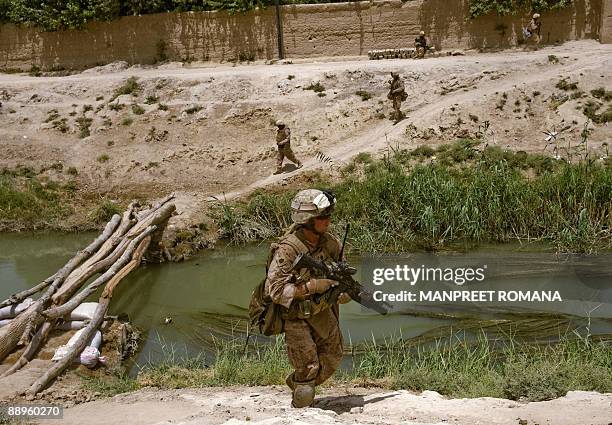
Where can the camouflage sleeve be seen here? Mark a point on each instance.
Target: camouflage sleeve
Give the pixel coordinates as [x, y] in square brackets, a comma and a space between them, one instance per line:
[279, 284]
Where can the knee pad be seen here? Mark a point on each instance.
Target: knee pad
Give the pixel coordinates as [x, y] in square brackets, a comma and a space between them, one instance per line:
[303, 394]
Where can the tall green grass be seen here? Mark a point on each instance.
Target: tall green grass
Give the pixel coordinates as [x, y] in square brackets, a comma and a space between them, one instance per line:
[26, 200]
[456, 365]
[461, 196]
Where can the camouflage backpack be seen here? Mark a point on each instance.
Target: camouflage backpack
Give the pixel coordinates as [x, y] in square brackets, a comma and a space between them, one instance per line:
[264, 315]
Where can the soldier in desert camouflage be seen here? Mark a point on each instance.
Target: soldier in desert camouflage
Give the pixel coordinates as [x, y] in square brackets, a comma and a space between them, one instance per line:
[283, 143]
[312, 330]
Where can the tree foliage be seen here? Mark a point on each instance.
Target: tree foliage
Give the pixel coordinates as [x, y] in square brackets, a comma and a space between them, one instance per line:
[510, 7]
[53, 15]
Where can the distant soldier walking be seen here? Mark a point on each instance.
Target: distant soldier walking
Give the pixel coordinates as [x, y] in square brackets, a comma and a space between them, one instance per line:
[533, 30]
[397, 93]
[283, 142]
[420, 44]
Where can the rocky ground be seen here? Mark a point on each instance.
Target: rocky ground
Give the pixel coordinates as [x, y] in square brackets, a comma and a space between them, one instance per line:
[206, 131]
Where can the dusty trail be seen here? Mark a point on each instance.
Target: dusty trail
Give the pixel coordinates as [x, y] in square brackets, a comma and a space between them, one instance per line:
[270, 406]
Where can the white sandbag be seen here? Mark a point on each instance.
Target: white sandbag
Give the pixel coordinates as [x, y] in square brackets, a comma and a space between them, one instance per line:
[86, 357]
[84, 311]
[73, 325]
[11, 311]
[5, 322]
[89, 356]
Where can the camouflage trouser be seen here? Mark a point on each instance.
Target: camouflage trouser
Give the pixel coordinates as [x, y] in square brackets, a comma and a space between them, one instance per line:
[397, 104]
[285, 151]
[311, 356]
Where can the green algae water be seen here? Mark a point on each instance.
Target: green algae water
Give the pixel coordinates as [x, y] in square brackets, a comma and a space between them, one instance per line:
[207, 298]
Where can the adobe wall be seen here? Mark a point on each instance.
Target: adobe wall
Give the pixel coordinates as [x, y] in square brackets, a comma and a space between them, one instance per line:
[308, 31]
[606, 22]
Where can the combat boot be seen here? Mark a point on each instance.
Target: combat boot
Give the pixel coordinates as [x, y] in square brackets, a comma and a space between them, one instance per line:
[303, 394]
[278, 171]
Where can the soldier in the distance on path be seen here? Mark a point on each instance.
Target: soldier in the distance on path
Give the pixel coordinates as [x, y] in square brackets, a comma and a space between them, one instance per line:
[283, 143]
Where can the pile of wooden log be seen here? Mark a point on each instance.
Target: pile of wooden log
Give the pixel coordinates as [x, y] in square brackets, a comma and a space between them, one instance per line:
[112, 255]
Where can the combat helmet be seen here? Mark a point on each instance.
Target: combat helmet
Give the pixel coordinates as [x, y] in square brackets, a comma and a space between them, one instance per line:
[536, 16]
[311, 203]
[280, 123]
[422, 33]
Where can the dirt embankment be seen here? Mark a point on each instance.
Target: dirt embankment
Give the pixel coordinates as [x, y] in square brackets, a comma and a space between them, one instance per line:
[208, 131]
[271, 406]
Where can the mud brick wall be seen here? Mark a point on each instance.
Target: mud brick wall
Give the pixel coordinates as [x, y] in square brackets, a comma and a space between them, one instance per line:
[308, 31]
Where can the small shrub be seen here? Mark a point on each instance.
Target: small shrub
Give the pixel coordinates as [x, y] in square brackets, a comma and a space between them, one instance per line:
[290, 77]
[473, 118]
[130, 86]
[557, 100]
[423, 151]
[99, 98]
[61, 125]
[553, 59]
[364, 95]
[116, 106]
[363, 158]
[127, 121]
[83, 124]
[601, 93]
[137, 109]
[322, 94]
[87, 108]
[193, 109]
[53, 115]
[536, 93]
[577, 94]
[162, 107]
[316, 87]
[566, 86]
[103, 158]
[35, 71]
[72, 171]
[151, 100]
[105, 211]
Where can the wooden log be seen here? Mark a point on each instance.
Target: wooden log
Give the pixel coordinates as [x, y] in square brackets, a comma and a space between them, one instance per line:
[95, 323]
[145, 213]
[153, 219]
[82, 273]
[31, 349]
[64, 309]
[20, 296]
[31, 318]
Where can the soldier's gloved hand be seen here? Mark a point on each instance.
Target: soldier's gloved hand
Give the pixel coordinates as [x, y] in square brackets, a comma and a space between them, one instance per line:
[344, 298]
[318, 286]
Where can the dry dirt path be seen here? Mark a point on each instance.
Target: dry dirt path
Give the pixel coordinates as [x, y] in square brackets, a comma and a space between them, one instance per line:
[270, 406]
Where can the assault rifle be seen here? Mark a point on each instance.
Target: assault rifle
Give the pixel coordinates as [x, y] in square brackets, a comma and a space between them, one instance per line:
[343, 273]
